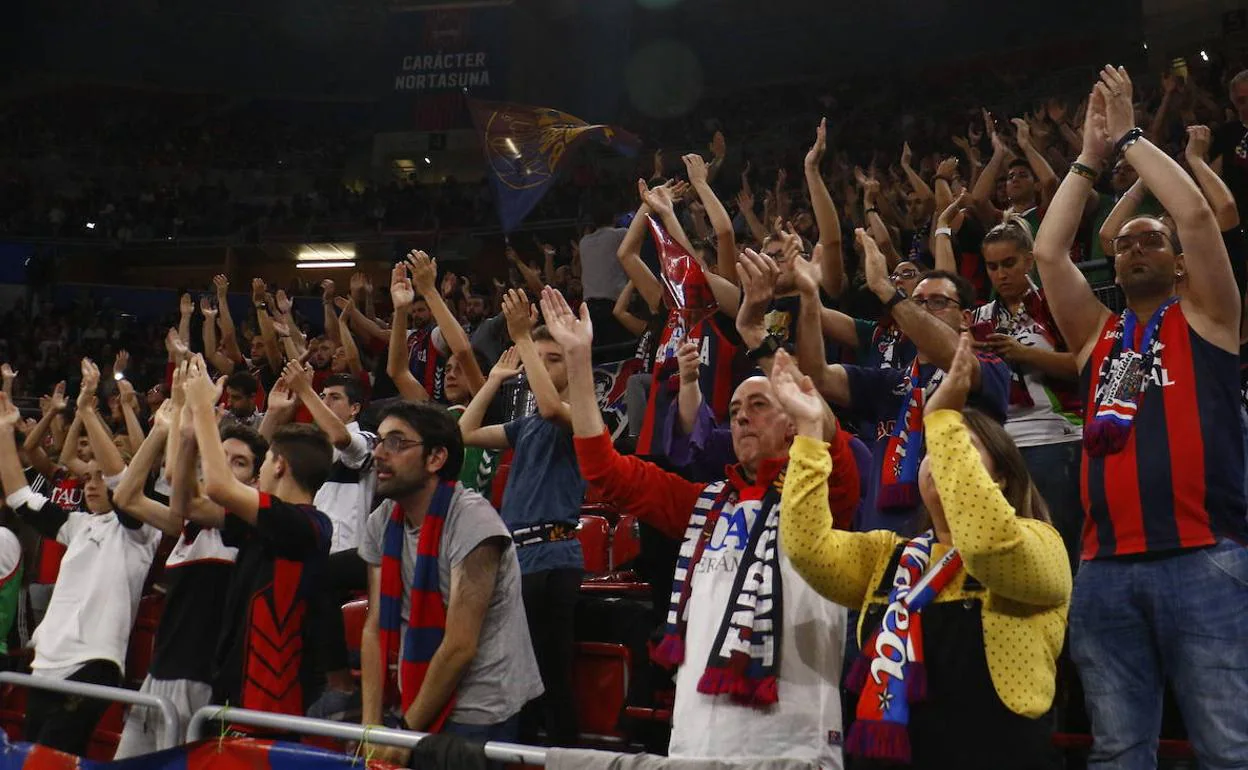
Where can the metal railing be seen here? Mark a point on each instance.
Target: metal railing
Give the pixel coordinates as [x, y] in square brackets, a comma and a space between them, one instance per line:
[169, 735]
[384, 736]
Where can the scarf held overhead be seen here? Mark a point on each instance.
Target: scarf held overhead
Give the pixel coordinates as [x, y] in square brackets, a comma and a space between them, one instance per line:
[744, 660]
[889, 675]
[426, 623]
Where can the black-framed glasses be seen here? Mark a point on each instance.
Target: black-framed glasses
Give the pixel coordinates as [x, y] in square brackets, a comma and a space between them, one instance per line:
[904, 274]
[395, 443]
[1153, 240]
[935, 302]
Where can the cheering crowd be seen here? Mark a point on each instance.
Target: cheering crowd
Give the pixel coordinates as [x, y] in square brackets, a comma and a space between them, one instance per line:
[911, 463]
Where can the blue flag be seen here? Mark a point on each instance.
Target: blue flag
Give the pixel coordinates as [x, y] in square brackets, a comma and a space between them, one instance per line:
[524, 146]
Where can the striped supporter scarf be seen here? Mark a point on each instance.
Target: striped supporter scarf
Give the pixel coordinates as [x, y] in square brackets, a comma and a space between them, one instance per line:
[1121, 382]
[426, 622]
[899, 476]
[889, 675]
[744, 658]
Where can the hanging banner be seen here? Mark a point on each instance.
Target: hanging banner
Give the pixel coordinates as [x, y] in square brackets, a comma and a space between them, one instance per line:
[434, 56]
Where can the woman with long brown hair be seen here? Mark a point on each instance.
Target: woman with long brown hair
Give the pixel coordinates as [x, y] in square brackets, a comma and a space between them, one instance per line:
[961, 626]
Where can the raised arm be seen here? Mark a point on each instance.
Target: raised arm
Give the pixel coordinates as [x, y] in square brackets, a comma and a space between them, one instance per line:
[1211, 185]
[54, 406]
[282, 406]
[661, 202]
[1120, 214]
[1016, 558]
[837, 564]
[917, 184]
[620, 311]
[827, 219]
[299, 379]
[10, 376]
[521, 318]
[879, 231]
[661, 499]
[328, 317]
[1211, 291]
[942, 236]
[725, 240]
[130, 413]
[830, 380]
[424, 274]
[229, 334]
[402, 295]
[106, 454]
[470, 422]
[186, 500]
[629, 255]
[1079, 314]
[745, 204]
[1046, 180]
[212, 354]
[186, 309]
[362, 324]
[350, 350]
[986, 184]
[219, 483]
[931, 336]
[129, 496]
[69, 450]
[532, 279]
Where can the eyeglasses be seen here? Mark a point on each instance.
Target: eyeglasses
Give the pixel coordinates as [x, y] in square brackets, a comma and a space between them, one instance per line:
[395, 443]
[905, 274]
[1153, 240]
[935, 302]
[1012, 176]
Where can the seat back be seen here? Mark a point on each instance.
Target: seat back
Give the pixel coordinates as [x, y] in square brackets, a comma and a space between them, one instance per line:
[625, 542]
[600, 682]
[595, 535]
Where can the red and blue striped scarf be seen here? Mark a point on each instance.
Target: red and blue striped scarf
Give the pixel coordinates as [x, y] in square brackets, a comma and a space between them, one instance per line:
[426, 623]
[899, 475]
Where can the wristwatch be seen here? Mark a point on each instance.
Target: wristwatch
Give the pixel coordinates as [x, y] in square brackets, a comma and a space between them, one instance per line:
[771, 343]
[898, 297]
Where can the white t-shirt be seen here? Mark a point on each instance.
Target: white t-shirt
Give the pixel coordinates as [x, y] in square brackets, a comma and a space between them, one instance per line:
[347, 497]
[806, 721]
[97, 592]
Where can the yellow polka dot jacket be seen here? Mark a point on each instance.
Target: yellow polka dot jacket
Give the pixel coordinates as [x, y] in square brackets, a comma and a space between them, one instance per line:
[1020, 564]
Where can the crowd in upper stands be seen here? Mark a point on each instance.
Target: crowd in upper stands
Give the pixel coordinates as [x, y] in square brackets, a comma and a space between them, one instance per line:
[905, 424]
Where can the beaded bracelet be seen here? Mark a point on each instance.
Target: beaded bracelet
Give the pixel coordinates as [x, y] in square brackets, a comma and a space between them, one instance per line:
[1084, 171]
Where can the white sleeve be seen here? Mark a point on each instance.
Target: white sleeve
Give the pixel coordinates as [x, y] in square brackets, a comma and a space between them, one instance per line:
[10, 553]
[355, 454]
[439, 342]
[112, 482]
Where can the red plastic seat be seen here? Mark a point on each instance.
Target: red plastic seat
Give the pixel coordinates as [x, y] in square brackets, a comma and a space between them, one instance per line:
[600, 679]
[12, 710]
[107, 734]
[354, 613]
[143, 639]
[625, 542]
[595, 535]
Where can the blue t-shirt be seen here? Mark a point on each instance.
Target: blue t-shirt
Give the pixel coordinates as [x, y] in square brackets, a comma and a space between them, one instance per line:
[544, 486]
[877, 396]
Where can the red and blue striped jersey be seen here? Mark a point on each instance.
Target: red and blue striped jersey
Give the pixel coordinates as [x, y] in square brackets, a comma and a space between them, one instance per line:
[1178, 482]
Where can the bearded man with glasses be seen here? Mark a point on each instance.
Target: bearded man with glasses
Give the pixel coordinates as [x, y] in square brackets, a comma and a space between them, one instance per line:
[443, 591]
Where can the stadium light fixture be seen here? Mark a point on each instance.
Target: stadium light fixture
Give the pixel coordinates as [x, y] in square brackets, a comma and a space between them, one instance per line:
[90, 225]
[1204, 56]
[325, 263]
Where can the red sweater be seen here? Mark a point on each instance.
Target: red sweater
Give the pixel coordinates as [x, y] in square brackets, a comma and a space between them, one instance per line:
[665, 501]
